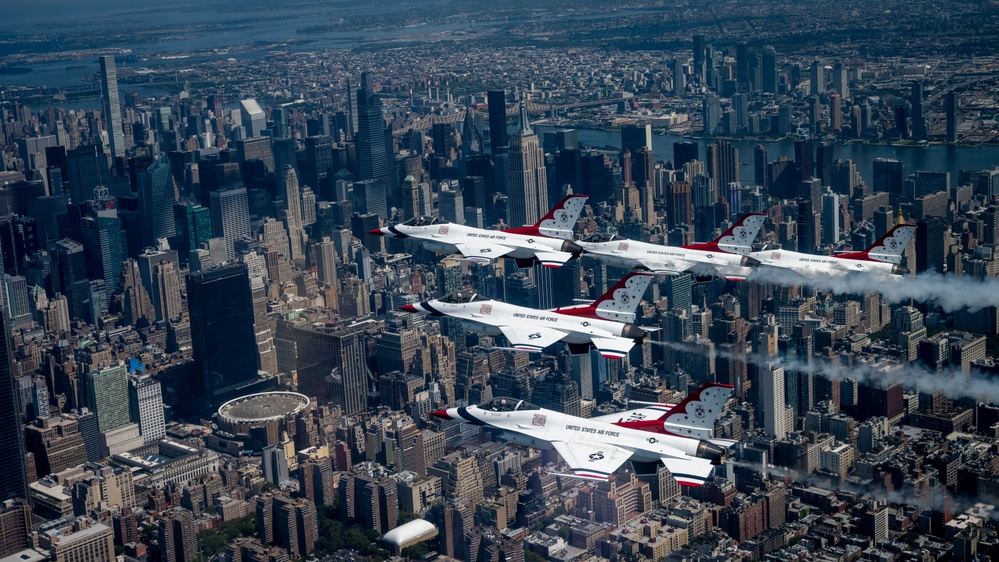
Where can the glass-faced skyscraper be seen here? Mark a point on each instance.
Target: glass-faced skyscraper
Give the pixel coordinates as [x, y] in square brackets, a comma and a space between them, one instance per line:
[112, 105]
[225, 346]
[156, 199]
[372, 158]
[13, 478]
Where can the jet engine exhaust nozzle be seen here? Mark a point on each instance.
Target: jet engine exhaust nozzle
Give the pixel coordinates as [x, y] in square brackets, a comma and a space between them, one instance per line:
[575, 249]
[714, 453]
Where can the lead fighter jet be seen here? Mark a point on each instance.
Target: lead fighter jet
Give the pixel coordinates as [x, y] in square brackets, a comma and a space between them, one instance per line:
[605, 324]
[595, 448]
[549, 241]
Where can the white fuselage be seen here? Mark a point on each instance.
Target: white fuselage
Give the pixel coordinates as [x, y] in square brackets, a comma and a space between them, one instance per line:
[485, 316]
[631, 254]
[811, 265]
[444, 237]
[537, 428]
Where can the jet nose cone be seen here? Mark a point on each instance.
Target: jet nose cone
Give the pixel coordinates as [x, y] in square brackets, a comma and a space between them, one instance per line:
[751, 262]
[442, 414]
[408, 308]
[377, 232]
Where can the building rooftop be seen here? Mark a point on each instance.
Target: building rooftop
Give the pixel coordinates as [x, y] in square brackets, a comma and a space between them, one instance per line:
[411, 531]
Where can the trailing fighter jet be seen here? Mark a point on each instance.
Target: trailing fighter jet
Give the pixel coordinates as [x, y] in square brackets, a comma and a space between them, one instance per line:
[548, 242]
[605, 324]
[727, 256]
[595, 448]
[883, 257]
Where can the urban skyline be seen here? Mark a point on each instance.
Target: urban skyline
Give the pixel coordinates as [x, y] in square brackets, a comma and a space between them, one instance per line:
[219, 218]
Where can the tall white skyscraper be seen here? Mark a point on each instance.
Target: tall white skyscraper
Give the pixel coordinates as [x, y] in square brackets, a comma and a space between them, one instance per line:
[230, 217]
[156, 199]
[772, 402]
[527, 182]
[253, 117]
[145, 401]
[112, 105]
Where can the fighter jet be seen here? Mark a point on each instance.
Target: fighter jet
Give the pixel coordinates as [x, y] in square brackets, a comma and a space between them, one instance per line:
[595, 448]
[548, 242]
[606, 324]
[727, 256]
[883, 257]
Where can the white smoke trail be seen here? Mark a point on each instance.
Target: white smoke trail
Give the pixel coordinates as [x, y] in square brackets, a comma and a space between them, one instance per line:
[951, 382]
[949, 292]
[938, 498]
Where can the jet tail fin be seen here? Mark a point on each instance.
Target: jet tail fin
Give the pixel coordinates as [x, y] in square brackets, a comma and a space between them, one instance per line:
[738, 239]
[619, 303]
[888, 248]
[695, 416]
[560, 220]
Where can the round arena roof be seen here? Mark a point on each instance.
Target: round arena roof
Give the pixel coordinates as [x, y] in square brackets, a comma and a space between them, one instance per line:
[262, 407]
[403, 534]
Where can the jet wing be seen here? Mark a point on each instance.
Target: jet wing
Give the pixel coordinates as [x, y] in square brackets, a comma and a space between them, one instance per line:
[553, 258]
[531, 337]
[689, 471]
[474, 252]
[613, 347]
[664, 266]
[591, 460]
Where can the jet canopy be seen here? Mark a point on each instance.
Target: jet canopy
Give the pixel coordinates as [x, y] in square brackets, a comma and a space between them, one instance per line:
[424, 221]
[462, 297]
[603, 237]
[507, 405]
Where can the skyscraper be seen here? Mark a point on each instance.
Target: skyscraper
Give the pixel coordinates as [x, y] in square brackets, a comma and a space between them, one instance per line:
[711, 111]
[230, 218]
[326, 262]
[372, 158]
[636, 137]
[498, 138]
[107, 395]
[742, 66]
[918, 119]
[145, 404]
[889, 176]
[830, 218]
[253, 117]
[85, 172]
[331, 366]
[156, 199]
[772, 402]
[683, 152]
[951, 108]
[13, 477]
[104, 246]
[769, 72]
[293, 213]
[165, 295]
[723, 164]
[527, 182]
[177, 536]
[112, 106]
[72, 277]
[817, 72]
[225, 347]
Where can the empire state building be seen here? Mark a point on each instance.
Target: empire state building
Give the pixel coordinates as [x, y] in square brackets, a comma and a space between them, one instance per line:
[527, 182]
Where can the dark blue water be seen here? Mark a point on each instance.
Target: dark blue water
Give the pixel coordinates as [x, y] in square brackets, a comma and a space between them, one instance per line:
[938, 158]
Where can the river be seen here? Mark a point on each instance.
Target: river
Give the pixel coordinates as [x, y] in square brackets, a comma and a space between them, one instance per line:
[945, 158]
